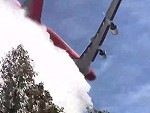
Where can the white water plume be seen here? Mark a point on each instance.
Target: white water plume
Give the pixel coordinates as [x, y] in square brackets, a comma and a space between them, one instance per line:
[55, 68]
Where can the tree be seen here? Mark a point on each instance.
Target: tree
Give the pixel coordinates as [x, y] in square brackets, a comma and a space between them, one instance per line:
[91, 109]
[42, 99]
[19, 93]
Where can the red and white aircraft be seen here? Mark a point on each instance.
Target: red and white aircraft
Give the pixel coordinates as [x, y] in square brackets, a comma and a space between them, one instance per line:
[34, 11]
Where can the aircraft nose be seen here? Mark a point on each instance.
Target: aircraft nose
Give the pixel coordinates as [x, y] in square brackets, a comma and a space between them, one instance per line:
[91, 75]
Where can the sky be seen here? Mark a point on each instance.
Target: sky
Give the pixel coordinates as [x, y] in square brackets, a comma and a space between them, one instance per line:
[122, 83]
[69, 89]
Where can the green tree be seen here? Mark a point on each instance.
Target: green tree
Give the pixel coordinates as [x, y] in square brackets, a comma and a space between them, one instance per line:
[93, 110]
[19, 93]
[41, 100]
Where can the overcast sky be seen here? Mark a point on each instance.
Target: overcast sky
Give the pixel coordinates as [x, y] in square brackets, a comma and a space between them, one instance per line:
[122, 84]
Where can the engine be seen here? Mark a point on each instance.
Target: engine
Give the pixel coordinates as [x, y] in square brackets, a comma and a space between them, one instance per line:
[102, 53]
[113, 28]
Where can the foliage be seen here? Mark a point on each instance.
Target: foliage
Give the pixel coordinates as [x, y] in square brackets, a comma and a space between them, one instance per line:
[19, 93]
[93, 110]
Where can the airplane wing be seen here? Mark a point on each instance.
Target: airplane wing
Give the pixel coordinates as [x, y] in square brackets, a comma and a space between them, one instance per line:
[34, 9]
[92, 49]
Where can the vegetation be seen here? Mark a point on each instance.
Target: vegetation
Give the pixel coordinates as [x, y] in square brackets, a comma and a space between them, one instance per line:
[19, 93]
[92, 110]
